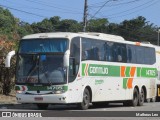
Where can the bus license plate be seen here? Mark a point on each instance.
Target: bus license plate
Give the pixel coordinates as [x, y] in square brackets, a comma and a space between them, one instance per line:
[38, 98]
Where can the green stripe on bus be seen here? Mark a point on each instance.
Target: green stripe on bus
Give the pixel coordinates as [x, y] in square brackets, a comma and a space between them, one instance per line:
[125, 83]
[83, 68]
[114, 71]
[34, 88]
[43, 88]
[101, 70]
[138, 72]
[127, 71]
[148, 72]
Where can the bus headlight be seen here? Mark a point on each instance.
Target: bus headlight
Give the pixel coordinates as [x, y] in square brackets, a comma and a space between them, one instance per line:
[20, 91]
[58, 91]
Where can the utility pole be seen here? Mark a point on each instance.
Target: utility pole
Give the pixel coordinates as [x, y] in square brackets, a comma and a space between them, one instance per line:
[85, 16]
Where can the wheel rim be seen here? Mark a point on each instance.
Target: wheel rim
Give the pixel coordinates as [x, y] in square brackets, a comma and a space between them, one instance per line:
[142, 96]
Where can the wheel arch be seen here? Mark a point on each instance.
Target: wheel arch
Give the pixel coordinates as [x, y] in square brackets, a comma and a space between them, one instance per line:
[90, 91]
[136, 88]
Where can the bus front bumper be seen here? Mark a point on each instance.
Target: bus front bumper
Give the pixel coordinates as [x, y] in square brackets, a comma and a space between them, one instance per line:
[46, 98]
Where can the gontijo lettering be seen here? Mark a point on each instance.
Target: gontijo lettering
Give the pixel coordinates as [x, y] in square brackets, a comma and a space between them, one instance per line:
[98, 70]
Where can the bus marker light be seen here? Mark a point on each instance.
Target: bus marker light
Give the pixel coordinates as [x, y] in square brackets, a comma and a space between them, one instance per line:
[138, 43]
[19, 91]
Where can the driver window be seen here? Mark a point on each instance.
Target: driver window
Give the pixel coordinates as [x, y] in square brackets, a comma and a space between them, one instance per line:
[74, 58]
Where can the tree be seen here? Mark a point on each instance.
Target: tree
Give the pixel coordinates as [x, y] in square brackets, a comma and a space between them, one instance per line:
[24, 29]
[113, 28]
[69, 25]
[8, 38]
[98, 25]
[137, 29]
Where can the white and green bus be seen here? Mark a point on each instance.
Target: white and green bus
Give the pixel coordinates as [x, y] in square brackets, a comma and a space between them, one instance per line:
[84, 68]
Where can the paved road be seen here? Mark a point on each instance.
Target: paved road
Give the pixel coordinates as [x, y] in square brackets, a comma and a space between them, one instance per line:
[53, 109]
[111, 107]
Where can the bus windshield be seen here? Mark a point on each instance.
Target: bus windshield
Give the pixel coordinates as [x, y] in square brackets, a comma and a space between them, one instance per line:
[43, 45]
[40, 61]
[41, 68]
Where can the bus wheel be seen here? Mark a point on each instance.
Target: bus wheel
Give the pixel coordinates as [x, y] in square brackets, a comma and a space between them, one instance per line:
[141, 98]
[42, 106]
[86, 100]
[134, 101]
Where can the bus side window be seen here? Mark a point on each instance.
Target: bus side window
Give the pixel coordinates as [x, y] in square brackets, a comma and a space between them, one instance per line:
[129, 55]
[119, 54]
[140, 55]
[74, 58]
[94, 53]
[108, 46]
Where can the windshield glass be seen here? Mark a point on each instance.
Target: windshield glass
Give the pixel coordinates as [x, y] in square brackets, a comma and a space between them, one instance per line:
[41, 68]
[43, 45]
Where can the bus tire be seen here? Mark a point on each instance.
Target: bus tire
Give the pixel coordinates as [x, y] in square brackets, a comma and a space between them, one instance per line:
[141, 98]
[42, 106]
[134, 101]
[84, 105]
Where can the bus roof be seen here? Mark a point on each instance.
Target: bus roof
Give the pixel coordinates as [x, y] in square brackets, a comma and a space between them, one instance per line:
[70, 35]
[94, 35]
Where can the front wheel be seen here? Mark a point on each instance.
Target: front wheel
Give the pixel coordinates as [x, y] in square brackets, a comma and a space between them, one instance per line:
[86, 100]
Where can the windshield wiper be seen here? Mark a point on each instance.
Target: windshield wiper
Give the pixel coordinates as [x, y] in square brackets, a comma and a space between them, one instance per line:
[49, 81]
[33, 69]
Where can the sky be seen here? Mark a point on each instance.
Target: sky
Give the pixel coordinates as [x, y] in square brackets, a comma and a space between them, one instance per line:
[116, 11]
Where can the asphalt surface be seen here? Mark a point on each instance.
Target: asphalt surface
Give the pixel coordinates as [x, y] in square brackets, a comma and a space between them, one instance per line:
[116, 111]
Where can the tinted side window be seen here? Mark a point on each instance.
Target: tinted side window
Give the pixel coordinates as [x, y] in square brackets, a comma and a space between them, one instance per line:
[131, 54]
[140, 54]
[120, 54]
[74, 58]
[149, 55]
[116, 52]
[153, 56]
[93, 49]
[75, 49]
[109, 51]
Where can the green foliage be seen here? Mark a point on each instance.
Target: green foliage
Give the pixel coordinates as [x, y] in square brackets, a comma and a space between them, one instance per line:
[55, 24]
[24, 29]
[98, 25]
[138, 30]
[69, 26]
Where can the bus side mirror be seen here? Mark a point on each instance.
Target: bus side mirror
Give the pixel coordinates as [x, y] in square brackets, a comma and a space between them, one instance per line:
[66, 59]
[8, 58]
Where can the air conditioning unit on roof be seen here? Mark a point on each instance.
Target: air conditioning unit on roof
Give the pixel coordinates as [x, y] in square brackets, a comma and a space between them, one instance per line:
[104, 36]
